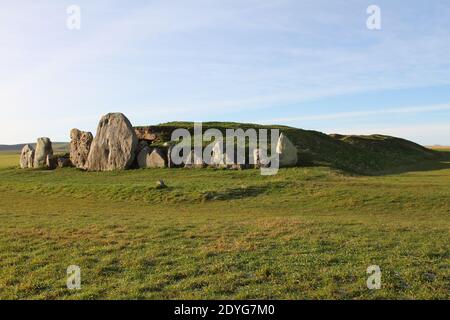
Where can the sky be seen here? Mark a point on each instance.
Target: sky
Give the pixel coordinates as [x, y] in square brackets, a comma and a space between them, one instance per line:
[309, 64]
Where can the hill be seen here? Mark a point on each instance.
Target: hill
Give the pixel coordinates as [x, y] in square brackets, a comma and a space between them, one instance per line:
[58, 147]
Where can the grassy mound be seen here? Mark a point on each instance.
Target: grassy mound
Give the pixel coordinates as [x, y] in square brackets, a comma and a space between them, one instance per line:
[374, 154]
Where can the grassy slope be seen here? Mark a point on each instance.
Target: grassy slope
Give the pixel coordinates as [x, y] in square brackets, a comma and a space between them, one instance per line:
[9, 159]
[374, 154]
[304, 233]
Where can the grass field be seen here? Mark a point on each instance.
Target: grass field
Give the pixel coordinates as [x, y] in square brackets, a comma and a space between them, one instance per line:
[305, 233]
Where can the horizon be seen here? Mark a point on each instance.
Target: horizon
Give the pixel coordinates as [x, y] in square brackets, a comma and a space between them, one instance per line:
[206, 122]
[312, 65]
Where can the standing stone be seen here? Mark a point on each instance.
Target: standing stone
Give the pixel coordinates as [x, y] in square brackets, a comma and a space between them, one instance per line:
[220, 158]
[114, 145]
[169, 145]
[27, 157]
[260, 159]
[287, 152]
[80, 145]
[156, 159]
[170, 163]
[43, 149]
[149, 158]
[193, 161]
[51, 162]
[142, 157]
[217, 156]
[141, 145]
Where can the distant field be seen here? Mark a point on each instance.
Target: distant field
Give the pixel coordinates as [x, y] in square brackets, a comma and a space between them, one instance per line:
[445, 148]
[304, 233]
[58, 147]
[9, 159]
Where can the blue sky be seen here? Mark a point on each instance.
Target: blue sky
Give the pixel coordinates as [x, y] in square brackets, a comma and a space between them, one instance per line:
[309, 64]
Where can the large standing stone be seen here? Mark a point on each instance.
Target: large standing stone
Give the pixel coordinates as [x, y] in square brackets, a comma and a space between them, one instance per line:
[114, 145]
[43, 149]
[287, 152]
[149, 158]
[80, 144]
[27, 157]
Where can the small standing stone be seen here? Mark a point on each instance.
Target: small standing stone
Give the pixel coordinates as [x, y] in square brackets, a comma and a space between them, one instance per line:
[27, 157]
[51, 162]
[149, 158]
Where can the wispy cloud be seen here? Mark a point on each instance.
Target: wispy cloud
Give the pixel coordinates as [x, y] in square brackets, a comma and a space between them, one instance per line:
[359, 114]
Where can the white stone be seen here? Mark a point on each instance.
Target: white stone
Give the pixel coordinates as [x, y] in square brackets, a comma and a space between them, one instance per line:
[287, 152]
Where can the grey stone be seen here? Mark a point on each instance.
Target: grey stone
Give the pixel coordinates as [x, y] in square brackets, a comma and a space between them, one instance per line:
[51, 162]
[80, 144]
[64, 162]
[141, 145]
[193, 161]
[143, 156]
[114, 145]
[27, 157]
[287, 152]
[149, 158]
[260, 158]
[220, 158]
[156, 159]
[217, 156]
[43, 149]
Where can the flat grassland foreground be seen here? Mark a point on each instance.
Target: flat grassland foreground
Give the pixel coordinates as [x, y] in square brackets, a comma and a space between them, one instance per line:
[304, 233]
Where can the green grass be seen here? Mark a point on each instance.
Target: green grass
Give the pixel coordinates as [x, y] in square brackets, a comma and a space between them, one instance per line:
[306, 233]
[9, 159]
